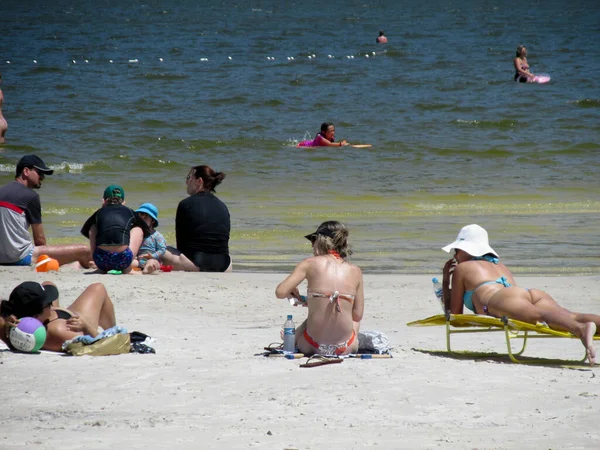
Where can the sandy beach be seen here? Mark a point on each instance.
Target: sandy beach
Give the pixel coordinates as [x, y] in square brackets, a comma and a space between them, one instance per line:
[206, 388]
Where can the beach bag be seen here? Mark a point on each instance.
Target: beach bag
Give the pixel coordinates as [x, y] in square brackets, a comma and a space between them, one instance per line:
[111, 345]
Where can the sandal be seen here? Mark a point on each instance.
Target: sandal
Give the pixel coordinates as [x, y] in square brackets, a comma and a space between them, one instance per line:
[320, 360]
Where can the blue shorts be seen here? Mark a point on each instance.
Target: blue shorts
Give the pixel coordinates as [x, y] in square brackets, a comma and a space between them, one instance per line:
[23, 262]
[112, 260]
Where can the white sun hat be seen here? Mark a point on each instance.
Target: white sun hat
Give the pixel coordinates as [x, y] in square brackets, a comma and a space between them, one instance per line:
[473, 239]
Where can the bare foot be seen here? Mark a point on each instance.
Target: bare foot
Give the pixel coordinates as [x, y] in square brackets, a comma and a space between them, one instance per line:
[72, 266]
[152, 266]
[588, 342]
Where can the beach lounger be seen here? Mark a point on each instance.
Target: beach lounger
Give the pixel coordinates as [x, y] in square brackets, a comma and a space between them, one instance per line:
[512, 330]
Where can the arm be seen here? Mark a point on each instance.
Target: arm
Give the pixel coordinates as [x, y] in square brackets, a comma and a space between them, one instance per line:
[518, 63]
[92, 235]
[446, 291]
[161, 246]
[61, 331]
[322, 142]
[136, 237]
[33, 213]
[359, 301]
[180, 220]
[39, 238]
[458, 291]
[6, 323]
[289, 287]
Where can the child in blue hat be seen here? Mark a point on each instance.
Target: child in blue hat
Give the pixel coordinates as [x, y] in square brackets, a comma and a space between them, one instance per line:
[154, 245]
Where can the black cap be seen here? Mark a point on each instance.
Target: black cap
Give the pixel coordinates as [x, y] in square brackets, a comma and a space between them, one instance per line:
[35, 162]
[30, 298]
[323, 230]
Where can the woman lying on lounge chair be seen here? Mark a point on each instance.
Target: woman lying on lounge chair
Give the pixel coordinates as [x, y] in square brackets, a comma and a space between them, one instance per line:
[486, 286]
[335, 297]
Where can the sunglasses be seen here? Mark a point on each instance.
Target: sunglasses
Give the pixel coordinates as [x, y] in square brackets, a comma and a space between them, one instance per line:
[39, 172]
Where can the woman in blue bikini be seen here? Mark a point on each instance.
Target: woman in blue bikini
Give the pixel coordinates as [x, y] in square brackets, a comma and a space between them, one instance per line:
[335, 296]
[486, 286]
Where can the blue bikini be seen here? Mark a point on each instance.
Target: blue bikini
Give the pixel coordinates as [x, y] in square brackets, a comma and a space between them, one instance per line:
[468, 296]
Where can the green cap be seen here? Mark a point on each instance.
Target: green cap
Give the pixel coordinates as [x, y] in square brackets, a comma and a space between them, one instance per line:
[114, 190]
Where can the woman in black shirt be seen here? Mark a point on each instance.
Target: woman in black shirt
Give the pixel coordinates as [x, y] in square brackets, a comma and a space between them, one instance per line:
[202, 226]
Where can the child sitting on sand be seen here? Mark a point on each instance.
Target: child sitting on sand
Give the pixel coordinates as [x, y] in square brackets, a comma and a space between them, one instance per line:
[113, 233]
[154, 245]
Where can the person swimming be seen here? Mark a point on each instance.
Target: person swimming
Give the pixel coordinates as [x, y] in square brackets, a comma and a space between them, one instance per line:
[325, 138]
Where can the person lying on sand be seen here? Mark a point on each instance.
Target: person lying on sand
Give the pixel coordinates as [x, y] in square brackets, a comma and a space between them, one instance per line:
[92, 309]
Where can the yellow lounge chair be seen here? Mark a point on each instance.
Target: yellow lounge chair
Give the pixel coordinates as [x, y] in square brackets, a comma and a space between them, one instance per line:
[513, 329]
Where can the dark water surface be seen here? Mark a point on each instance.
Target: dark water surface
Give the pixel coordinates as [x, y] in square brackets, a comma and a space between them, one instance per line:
[109, 92]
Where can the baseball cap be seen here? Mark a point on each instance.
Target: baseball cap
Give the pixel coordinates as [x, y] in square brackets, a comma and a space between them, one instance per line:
[323, 230]
[30, 298]
[35, 162]
[114, 190]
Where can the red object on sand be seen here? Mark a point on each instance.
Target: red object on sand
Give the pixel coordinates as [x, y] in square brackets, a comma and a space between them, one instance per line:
[166, 268]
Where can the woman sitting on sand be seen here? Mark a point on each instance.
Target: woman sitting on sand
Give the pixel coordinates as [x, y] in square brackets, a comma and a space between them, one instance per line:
[93, 308]
[335, 296]
[326, 138]
[202, 226]
[486, 286]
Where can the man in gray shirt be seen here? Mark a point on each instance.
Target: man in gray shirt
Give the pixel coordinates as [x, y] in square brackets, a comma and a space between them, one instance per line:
[20, 208]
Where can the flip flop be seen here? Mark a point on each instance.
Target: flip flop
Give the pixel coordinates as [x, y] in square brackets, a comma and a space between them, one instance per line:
[114, 272]
[275, 349]
[320, 360]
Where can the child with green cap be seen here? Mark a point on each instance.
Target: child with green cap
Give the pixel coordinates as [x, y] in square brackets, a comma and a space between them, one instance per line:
[113, 233]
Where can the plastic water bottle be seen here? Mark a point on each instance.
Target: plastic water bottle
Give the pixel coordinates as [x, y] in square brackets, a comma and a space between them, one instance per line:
[438, 290]
[289, 335]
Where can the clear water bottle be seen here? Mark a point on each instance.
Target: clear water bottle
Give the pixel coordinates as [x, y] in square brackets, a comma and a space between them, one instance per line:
[289, 335]
[438, 290]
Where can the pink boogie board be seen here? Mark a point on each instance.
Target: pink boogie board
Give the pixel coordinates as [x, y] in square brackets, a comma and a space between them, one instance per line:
[541, 78]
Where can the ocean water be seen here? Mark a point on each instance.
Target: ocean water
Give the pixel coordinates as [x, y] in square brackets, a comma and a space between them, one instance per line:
[112, 92]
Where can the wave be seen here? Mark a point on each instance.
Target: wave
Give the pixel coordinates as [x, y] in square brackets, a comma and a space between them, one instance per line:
[587, 103]
[161, 76]
[503, 124]
[65, 167]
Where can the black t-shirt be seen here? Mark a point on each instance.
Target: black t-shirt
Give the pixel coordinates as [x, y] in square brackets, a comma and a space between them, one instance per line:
[113, 224]
[202, 224]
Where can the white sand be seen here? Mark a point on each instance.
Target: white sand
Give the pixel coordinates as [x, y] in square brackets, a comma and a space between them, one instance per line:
[204, 388]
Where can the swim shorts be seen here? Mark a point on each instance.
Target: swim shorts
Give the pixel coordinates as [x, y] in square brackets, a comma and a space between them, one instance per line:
[112, 260]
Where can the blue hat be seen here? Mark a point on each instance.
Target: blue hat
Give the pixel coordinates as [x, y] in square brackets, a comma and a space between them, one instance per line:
[149, 209]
